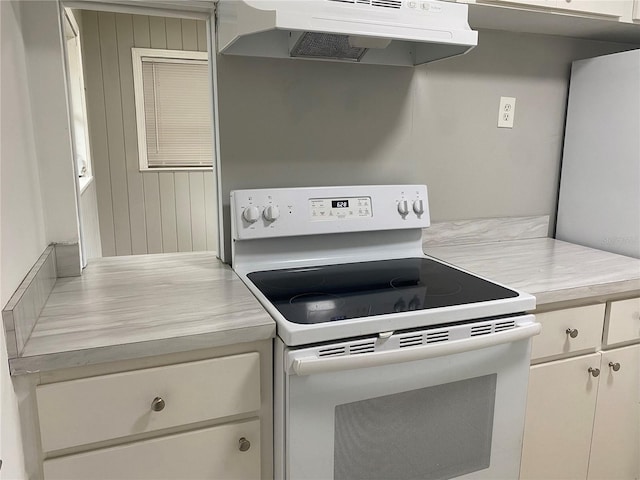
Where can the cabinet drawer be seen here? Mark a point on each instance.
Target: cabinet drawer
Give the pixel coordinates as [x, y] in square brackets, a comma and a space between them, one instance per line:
[554, 339]
[209, 453]
[93, 409]
[623, 321]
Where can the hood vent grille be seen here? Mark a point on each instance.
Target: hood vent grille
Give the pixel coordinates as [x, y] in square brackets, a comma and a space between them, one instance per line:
[324, 45]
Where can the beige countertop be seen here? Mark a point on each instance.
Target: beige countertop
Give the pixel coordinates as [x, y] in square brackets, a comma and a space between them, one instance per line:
[131, 307]
[554, 271]
[135, 306]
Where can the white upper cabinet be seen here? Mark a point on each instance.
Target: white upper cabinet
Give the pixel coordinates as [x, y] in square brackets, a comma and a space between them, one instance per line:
[615, 8]
[604, 20]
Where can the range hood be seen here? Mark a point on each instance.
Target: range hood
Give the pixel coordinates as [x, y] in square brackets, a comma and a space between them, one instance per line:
[387, 32]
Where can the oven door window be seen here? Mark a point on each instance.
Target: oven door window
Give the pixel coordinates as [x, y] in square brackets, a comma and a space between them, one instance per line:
[437, 432]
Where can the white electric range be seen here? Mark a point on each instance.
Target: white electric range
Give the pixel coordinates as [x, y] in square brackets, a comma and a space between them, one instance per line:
[388, 364]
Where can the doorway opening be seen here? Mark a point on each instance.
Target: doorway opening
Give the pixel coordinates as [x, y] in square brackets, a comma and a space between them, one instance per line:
[141, 102]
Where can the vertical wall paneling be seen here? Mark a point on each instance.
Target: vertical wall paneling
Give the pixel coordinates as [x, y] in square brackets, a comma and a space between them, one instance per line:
[211, 211]
[154, 213]
[150, 180]
[202, 36]
[96, 120]
[174, 33]
[198, 211]
[168, 212]
[158, 32]
[190, 35]
[115, 134]
[183, 211]
[135, 188]
[157, 39]
[140, 212]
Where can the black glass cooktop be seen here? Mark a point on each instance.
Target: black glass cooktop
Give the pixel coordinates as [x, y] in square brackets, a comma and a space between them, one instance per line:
[339, 292]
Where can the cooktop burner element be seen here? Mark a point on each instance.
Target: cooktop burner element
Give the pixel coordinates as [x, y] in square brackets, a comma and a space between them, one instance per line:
[339, 292]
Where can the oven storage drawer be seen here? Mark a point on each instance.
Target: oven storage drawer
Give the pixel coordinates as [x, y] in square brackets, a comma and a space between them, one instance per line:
[207, 453]
[94, 409]
[568, 331]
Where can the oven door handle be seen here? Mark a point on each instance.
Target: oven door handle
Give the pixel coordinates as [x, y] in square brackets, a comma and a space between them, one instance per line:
[313, 365]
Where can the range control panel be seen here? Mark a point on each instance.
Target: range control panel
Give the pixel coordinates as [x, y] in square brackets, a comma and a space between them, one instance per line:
[263, 213]
[329, 209]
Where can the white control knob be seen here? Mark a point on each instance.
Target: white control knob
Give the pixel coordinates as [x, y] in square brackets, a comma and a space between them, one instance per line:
[418, 207]
[403, 207]
[251, 214]
[271, 213]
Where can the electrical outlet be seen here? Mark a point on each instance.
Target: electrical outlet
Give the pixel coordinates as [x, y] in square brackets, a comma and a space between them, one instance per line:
[506, 112]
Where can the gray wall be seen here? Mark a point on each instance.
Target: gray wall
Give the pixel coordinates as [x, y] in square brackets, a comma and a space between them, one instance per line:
[139, 212]
[23, 225]
[300, 123]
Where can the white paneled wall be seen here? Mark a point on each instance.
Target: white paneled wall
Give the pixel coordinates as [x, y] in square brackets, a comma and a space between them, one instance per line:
[139, 212]
[91, 228]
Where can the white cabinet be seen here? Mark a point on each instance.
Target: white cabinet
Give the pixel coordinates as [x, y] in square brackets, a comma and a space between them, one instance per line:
[209, 418]
[616, 430]
[568, 331]
[605, 8]
[560, 409]
[609, 20]
[622, 322]
[614, 8]
[99, 408]
[583, 412]
[208, 453]
[535, 3]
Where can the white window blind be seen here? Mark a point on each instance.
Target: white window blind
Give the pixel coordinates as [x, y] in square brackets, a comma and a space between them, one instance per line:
[176, 113]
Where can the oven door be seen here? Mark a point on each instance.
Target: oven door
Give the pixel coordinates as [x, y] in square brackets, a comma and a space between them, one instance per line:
[451, 408]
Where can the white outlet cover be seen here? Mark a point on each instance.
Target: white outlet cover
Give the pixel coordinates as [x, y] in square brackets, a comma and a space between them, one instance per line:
[506, 112]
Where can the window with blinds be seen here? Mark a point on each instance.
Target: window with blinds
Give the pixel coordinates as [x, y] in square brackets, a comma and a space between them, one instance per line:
[172, 109]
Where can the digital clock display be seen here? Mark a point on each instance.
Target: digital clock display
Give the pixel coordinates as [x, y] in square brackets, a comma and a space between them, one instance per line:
[340, 203]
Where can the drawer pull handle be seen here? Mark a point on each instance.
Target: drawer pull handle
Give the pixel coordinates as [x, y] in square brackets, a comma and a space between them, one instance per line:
[572, 332]
[158, 404]
[244, 444]
[594, 371]
[614, 366]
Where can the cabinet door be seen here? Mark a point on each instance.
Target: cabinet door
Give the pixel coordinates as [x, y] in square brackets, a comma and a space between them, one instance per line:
[615, 8]
[212, 453]
[560, 408]
[616, 430]
[636, 10]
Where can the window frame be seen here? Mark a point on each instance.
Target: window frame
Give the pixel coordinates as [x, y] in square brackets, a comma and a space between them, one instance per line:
[169, 56]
